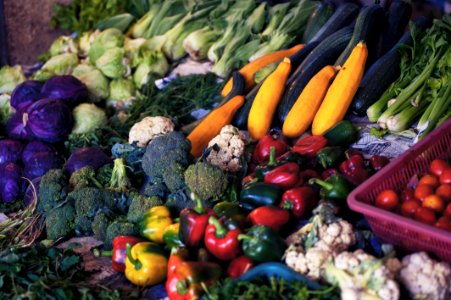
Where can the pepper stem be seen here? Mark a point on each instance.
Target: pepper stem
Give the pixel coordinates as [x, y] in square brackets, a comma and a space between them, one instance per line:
[220, 231]
[244, 237]
[98, 253]
[272, 155]
[181, 287]
[288, 204]
[322, 183]
[134, 262]
[199, 208]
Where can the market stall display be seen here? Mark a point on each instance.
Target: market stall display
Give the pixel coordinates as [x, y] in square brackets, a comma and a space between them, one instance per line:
[246, 181]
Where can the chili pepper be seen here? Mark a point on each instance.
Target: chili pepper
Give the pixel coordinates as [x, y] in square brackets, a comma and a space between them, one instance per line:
[222, 243]
[119, 254]
[154, 222]
[193, 223]
[328, 156]
[333, 188]
[146, 264]
[171, 236]
[328, 172]
[233, 212]
[280, 270]
[262, 149]
[272, 216]
[307, 174]
[262, 244]
[377, 162]
[310, 145]
[284, 176]
[239, 266]
[260, 194]
[300, 200]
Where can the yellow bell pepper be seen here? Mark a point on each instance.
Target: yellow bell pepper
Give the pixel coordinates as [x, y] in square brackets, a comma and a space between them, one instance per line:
[146, 264]
[154, 222]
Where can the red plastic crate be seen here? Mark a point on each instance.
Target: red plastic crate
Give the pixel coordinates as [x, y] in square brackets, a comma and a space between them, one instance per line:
[395, 229]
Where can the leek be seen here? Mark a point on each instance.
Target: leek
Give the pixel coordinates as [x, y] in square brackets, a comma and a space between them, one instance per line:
[256, 20]
[139, 28]
[277, 13]
[168, 8]
[168, 23]
[295, 21]
[277, 41]
[217, 49]
[239, 11]
[197, 43]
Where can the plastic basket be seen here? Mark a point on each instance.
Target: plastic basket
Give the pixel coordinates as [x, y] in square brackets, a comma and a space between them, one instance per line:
[395, 229]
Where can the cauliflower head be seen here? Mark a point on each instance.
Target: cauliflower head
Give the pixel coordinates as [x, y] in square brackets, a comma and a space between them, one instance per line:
[226, 149]
[148, 128]
[425, 278]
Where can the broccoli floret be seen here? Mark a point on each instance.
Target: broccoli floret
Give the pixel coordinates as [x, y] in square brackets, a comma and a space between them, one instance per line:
[52, 190]
[104, 173]
[174, 177]
[165, 151]
[116, 228]
[139, 205]
[83, 225]
[84, 177]
[59, 221]
[205, 180]
[100, 224]
[154, 187]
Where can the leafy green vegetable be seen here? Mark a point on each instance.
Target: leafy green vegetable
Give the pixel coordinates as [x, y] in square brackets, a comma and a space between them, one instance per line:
[379, 133]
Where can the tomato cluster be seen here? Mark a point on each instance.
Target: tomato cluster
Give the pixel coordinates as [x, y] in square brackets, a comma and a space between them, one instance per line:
[429, 202]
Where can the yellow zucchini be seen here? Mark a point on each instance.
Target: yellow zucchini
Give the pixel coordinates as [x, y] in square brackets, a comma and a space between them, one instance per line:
[342, 91]
[267, 99]
[307, 104]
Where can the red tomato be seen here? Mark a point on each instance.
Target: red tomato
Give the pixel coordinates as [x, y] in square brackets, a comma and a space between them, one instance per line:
[434, 202]
[444, 223]
[447, 211]
[445, 178]
[444, 191]
[422, 191]
[407, 194]
[387, 200]
[310, 145]
[437, 167]
[409, 207]
[429, 180]
[425, 215]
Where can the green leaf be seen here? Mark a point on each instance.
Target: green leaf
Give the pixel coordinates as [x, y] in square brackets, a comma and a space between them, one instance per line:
[69, 261]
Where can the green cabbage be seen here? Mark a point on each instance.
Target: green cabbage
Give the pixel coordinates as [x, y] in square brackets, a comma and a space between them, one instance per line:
[107, 39]
[62, 64]
[97, 84]
[152, 63]
[10, 77]
[88, 117]
[112, 64]
[63, 44]
[122, 90]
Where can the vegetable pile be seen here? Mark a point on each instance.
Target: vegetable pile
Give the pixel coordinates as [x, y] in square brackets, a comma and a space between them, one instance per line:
[195, 188]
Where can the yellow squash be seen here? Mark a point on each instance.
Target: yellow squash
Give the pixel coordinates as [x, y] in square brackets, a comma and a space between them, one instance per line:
[341, 92]
[304, 109]
[267, 99]
[249, 70]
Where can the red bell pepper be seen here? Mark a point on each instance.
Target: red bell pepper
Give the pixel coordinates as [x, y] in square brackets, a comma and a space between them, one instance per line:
[271, 216]
[300, 200]
[239, 266]
[328, 172]
[119, 252]
[193, 223]
[263, 147]
[310, 145]
[285, 176]
[308, 174]
[377, 162]
[354, 170]
[222, 243]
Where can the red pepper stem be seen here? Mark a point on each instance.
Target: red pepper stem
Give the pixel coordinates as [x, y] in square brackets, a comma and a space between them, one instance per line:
[272, 155]
[244, 237]
[322, 183]
[134, 262]
[181, 287]
[98, 253]
[199, 208]
[220, 231]
[288, 204]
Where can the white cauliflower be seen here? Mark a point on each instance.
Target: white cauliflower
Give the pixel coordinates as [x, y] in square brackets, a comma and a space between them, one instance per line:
[425, 278]
[361, 276]
[149, 128]
[227, 149]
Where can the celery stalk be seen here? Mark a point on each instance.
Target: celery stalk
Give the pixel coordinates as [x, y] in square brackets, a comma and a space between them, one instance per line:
[444, 118]
[406, 117]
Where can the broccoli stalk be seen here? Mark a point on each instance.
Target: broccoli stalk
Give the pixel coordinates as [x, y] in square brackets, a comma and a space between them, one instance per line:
[119, 179]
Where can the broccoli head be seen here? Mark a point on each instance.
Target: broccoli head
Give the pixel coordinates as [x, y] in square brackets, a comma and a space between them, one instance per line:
[59, 221]
[100, 224]
[139, 205]
[165, 151]
[205, 180]
[118, 227]
[83, 225]
[52, 190]
[174, 177]
[154, 187]
[84, 177]
[104, 173]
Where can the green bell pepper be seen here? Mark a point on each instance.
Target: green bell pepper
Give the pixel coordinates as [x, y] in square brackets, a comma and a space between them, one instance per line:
[263, 244]
[328, 156]
[335, 187]
[231, 211]
[260, 194]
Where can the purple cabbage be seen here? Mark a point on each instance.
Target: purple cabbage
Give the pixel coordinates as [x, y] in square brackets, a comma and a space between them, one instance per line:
[49, 120]
[40, 163]
[66, 88]
[10, 151]
[15, 128]
[10, 181]
[35, 147]
[25, 94]
[88, 156]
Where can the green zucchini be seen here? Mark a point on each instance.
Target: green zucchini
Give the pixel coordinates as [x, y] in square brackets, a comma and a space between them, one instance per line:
[397, 18]
[237, 87]
[241, 116]
[368, 28]
[324, 54]
[321, 14]
[342, 134]
[343, 16]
